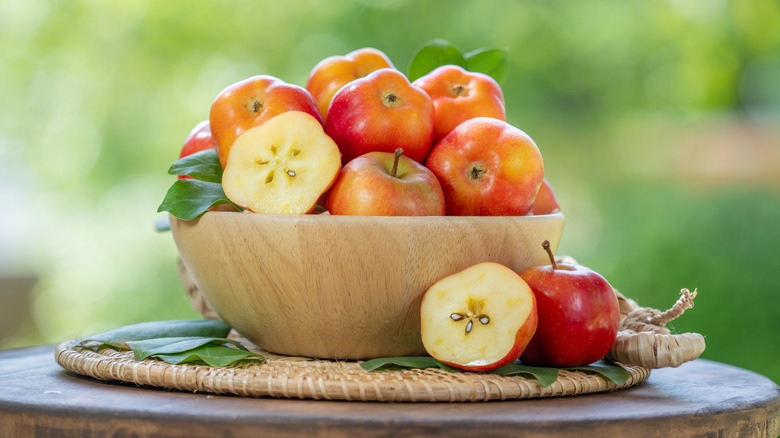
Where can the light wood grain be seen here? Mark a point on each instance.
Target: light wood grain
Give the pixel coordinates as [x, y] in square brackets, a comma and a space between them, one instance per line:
[343, 287]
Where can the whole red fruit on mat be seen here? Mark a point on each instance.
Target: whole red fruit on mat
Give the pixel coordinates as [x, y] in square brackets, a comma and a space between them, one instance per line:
[578, 315]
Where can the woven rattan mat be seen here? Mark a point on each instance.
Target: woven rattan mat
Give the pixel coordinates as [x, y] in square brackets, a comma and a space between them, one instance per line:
[305, 378]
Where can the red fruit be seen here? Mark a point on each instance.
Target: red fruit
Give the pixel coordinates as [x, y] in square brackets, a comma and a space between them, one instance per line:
[545, 202]
[487, 167]
[251, 103]
[459, 95]
[578, 315]
[381, 113]
[382, 184]
[332, 73]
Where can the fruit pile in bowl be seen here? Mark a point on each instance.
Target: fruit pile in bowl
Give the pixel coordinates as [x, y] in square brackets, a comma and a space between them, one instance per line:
[315, 220]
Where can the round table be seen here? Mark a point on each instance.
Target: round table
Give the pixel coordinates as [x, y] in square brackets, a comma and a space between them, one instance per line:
[700, 398]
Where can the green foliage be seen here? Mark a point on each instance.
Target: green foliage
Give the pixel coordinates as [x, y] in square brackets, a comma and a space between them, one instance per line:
[200, 341]
[121, 337]
[215, 352]
[436, 53]
[202, 165]
[544, 375]
[189, 198]
[399, 363]
[492, 62]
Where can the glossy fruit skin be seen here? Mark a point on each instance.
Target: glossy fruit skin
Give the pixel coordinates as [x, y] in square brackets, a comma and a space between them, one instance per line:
[578, 316]
[251, 103]
[366, 187]
[380, 113]
[545, 202]
[459, 95]
[199, 139]
[487, 167]
[332, 73]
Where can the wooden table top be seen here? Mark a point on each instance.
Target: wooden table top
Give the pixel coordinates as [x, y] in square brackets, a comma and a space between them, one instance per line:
[700, 398]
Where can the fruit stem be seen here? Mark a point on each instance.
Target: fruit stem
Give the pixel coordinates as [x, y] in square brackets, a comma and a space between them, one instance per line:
[546, 246]
[398, 153]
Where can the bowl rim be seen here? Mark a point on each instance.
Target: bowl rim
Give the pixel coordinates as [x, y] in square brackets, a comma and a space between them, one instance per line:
[347, 219]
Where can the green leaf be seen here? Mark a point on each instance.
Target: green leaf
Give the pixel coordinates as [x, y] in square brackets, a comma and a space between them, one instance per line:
[177, 341]
[119, 337]
[175, 344]
[203, 165]
[213, 351]
[492, 62]
[189, 198]
[606, 369]
[211, 354]
[395, 363]
[544, 375]
[432, 55]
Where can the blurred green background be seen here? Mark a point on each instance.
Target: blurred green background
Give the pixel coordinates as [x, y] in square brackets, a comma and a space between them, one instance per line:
[659, 123]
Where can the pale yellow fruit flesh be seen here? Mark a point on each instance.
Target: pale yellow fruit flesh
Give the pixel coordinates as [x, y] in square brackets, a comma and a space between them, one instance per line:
[485, 289]
[281, 166]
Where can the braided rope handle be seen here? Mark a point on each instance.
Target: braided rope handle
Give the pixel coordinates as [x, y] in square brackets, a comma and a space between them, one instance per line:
[644, 340]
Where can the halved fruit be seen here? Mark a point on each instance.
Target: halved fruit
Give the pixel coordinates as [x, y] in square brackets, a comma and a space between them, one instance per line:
[281, 166]
[478, 319]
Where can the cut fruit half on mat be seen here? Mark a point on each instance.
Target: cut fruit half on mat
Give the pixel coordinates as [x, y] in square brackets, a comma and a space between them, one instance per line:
[478, 319]
[281, 166]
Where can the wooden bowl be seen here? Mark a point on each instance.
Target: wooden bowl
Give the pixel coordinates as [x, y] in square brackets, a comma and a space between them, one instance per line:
[343, 287]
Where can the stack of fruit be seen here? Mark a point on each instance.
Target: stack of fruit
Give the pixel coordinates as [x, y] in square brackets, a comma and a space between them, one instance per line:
[361, 139]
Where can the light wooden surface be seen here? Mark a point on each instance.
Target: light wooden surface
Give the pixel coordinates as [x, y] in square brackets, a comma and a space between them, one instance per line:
[698, 399]
[343, 287]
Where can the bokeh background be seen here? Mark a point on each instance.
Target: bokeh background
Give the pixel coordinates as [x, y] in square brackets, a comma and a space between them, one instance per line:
[659, 123]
